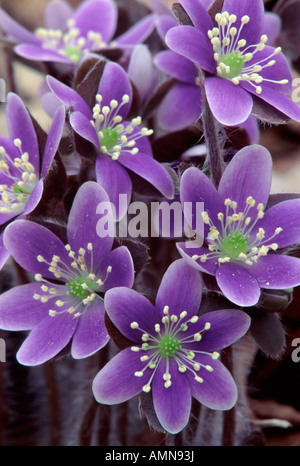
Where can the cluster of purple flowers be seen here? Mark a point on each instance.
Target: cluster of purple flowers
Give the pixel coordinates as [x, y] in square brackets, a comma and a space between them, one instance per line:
[120, 103]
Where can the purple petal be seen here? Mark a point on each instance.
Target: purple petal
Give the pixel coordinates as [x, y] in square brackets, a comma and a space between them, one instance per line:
[160, 7]
[26, 240]
[4, 254]
[227, 326]
[251, 126]
[69, 97]
[34, 197]
[124, 306]
[248, 174]
[38, 53]
[176, 66]
[20, 126]
[116, 182]
[11, 151]
[47, 339]
[280, 70]
[90, 334]
[116, 382]
[283, 103]
[98, 16]
[230, 104]
[114, 73]
[276, 271]
[198, 14]
[141, 71]
[272, 26]
[15, 30]
[137, 33]
[197, 188]
[57, 13]
[255, 10]
[82, 126]
[237, 284]
[218, 389]
[192, 44]
[180, 108]
[164, 23]
[122, 269]
[173, 404]
[149, 169]
[82, 224]
[286, 216]
[180, 289]
[19, 310]
[187, 252]
[53, 139]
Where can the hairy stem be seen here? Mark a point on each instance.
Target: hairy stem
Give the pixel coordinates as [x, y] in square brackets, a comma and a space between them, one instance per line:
[212, 135]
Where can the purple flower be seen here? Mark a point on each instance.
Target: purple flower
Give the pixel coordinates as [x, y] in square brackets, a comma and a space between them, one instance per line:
[174, 352]
[182, 105]
[120, 144]
[238, 63]
[242, 240]
[22, 167]
[69, 35]
[66, 302]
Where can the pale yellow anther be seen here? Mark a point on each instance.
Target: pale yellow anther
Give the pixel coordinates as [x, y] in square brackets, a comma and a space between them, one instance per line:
[245, 19]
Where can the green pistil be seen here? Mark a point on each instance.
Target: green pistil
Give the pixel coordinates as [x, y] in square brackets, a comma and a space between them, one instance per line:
[110, 138]
[80, 288]
[235, 62]
[234, 245]
[74, 53]
[169, 346]
[16, 189]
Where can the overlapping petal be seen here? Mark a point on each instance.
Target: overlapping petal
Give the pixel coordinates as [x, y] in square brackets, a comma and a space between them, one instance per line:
[120, 369]
[82, 223]
[46, 339]
[91, 334]
[187, 297]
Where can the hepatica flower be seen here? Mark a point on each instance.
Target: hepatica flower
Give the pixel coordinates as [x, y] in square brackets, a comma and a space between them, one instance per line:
[243, 237]
[69, 35]
[120, 143]
[237, 61]
[22, 166]
[174, 352]
[66, 301]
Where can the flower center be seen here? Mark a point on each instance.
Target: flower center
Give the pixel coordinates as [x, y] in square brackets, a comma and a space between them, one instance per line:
[169, 346]
[80, 285]
[172, 340]
[21, 179]
[232, 52]
[233, 239]
[70, 43]
[234, 63]
[235, 244]
[80, 288]
[110, 138]
[114, 135]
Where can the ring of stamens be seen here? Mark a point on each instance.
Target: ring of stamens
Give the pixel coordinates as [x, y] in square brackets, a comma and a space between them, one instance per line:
[115, 135]
[231, 241]
[81, 285]
[232, 53]
[70, 43]
[21, 179]
[168, 343]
